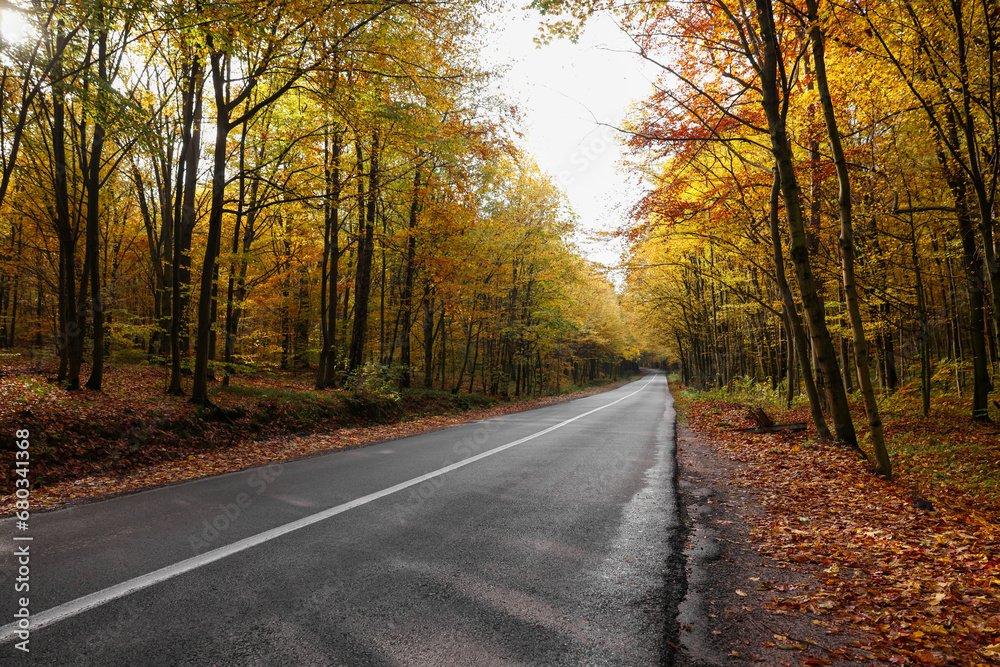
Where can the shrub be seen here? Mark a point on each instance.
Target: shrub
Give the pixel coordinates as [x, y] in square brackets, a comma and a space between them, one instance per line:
[375, 382]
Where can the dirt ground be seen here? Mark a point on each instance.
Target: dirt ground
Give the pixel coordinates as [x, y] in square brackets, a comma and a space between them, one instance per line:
[724, 619]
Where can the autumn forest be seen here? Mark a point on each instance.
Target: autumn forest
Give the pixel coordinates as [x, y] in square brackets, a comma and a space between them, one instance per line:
[295, 185]
[239, 234]
[336, 190]
[823, 197]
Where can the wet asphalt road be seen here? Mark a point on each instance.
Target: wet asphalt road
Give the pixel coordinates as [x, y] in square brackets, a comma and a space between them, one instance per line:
[560, 550]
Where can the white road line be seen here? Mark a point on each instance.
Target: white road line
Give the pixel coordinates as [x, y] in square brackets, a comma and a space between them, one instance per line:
[96, 599]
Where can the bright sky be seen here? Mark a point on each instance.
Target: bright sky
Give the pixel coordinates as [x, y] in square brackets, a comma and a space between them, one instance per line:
[12, 26]
[566, 92]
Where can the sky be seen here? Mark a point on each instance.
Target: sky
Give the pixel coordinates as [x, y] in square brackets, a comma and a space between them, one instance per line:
[569, 94]
[11, 25]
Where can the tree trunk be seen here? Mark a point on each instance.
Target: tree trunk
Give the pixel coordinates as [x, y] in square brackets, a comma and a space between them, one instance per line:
[363, 274]
[410, 269]
[429, 338]
[981, 385]
[162, 169]
[925, 330]
[300, 357]
[71, 334]
[798, 340]
[229, 343]
[184, 218]
[973, 267]
[93, 183]
[977, 144]
[465, 359]
[844, 205]
[238, 286]
[330, 276]
[811, 300]
[155, 256]
[199, 389]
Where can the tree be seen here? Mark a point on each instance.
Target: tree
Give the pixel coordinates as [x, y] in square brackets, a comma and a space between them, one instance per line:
[845, 206]
[438, 230]
[953, 50]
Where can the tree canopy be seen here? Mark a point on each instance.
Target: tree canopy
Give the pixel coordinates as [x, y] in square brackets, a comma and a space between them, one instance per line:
[850, 144]
[226, 186]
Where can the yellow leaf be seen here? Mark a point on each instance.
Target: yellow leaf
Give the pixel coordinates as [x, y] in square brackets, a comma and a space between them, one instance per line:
[934, 628]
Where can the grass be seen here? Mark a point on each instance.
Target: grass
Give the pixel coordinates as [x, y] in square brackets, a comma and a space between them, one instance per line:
[34, 388]
[278, 394]
[967, 466]
[415, 401]
[751, 394]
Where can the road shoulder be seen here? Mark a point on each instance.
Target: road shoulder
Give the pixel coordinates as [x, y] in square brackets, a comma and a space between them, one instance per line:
[724, 619]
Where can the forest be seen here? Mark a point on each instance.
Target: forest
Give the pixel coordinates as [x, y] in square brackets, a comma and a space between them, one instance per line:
[241, 232]
[336, 190]
[852, 144]
[321, 187]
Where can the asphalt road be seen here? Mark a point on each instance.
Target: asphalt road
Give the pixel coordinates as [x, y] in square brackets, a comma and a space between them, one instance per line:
[551, 539]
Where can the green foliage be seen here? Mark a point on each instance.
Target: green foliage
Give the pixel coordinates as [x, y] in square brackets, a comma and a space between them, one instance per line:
[945, 461]
[31, 389]
[749, 392]
[419, 402]
[376, 381]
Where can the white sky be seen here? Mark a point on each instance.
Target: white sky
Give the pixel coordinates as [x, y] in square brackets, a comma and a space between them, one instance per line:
[565, 92]
[12, 26]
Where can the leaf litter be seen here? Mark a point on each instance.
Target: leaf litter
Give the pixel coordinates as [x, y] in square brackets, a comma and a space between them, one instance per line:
[924, 586]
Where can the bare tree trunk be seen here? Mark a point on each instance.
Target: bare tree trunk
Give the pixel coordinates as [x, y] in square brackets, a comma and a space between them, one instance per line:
[811, 300]
[844, 205]
[363, 274]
